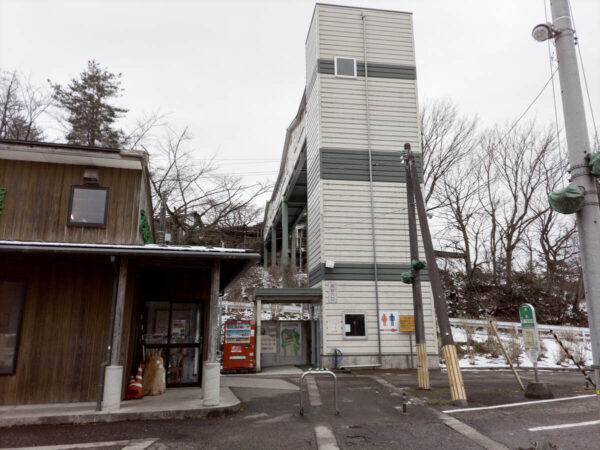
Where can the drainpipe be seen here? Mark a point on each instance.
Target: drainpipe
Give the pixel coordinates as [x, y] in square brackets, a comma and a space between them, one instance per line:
[113, 308]
[373, 233]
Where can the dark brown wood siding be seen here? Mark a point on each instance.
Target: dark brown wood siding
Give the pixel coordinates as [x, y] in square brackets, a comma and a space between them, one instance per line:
[37, 201]
[64, 329]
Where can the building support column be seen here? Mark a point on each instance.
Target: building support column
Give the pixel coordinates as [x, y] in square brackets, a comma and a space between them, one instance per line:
[313, 338]
[257, 331]
[285, 239]
[211, 372]
[265, 256]
[294, 241]
[113, 373]
[273, 245]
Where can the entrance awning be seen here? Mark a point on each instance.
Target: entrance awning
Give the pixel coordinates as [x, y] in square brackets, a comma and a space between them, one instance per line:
[289, 295]
[234, 262]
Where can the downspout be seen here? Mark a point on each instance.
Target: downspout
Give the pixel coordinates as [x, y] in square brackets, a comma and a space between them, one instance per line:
[111, 324]
[373, 234]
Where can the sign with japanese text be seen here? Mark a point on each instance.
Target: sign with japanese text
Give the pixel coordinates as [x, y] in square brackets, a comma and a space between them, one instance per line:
[407, 323]
[530, 332]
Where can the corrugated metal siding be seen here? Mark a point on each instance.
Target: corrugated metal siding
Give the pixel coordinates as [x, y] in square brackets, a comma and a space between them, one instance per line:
[347, 222]
[312, 50]
[359, 296]
[389, 34]
[393, 113]
[313, 143]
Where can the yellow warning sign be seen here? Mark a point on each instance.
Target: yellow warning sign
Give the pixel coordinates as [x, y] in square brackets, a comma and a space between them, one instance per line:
[407, 323]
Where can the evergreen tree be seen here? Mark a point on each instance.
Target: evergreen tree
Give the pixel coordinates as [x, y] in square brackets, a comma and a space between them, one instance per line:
[86, 100]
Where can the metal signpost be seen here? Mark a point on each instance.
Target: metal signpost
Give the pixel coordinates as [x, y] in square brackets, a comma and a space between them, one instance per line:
[530, 335]
[407, 324]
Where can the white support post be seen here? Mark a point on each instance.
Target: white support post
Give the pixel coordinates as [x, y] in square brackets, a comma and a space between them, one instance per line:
[211, 370]
[257, 331]
[113, 373]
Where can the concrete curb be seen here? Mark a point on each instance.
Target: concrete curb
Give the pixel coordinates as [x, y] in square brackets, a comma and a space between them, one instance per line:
[121, 416]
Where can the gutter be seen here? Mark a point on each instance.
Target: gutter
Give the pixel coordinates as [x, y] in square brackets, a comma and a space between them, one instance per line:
[123, 251]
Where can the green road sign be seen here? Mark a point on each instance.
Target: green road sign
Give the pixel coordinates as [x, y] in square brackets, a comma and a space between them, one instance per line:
[527, 315]
[530, 333]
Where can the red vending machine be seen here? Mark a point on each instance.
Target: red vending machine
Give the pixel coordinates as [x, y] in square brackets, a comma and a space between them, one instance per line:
[238, 345]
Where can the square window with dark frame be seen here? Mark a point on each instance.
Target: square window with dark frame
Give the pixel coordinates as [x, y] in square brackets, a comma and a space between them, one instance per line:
[345, 67]
[87, 207]
[355, 325]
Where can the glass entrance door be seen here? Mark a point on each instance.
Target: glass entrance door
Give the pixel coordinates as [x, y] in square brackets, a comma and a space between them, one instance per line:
[174, 329]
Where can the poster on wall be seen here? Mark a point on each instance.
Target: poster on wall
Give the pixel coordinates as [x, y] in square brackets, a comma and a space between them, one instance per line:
[388, 322]
[333, 325]
[290, 338]
[332, 292]
[268, 344]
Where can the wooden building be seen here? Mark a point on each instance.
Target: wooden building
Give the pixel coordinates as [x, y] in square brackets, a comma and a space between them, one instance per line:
[342, 168]
[84, 296]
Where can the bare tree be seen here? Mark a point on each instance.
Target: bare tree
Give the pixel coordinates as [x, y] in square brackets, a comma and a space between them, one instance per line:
[446, 138]
[464, 221]
[199, 200]
[21, 106]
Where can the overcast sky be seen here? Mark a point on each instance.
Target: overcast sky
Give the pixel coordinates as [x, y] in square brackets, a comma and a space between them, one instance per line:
[234, 70]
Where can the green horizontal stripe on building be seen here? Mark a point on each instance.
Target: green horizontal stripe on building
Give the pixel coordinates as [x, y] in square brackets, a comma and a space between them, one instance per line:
[360, 272]
[376, 70]
[353, 165]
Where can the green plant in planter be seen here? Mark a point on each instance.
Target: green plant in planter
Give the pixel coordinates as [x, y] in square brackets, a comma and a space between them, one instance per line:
[2, 192]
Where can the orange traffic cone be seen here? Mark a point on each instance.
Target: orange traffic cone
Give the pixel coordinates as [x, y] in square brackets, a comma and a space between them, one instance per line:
[134, 390]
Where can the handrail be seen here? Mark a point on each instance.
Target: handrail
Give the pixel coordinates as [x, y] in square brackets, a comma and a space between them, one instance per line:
[320, 372]
[512, 325]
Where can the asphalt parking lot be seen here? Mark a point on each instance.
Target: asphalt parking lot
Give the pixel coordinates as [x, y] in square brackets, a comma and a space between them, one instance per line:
[370, 405]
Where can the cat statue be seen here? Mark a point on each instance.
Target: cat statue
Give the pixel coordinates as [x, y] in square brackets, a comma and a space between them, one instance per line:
[153, 382]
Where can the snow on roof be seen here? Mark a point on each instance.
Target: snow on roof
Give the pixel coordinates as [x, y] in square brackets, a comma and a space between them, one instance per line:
[149, 248]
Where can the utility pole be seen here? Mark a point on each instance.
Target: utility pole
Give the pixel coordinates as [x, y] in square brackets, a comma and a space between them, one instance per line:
[422, 363]
[457, 387]
[588, 218]
[163, 219]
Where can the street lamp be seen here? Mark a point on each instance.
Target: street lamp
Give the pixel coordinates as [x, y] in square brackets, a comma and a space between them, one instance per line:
[543, 31]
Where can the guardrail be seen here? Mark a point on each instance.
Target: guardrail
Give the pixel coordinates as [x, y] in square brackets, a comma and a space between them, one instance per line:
[320, 372]
[582, 331]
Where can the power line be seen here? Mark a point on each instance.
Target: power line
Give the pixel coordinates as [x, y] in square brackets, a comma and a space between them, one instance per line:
[553, 88]
[529, 107]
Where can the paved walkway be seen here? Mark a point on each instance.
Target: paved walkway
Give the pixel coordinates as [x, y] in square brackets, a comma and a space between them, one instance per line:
[176, 403]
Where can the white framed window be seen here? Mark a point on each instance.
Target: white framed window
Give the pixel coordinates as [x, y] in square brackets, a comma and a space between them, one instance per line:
[355, 325]
[345, 67]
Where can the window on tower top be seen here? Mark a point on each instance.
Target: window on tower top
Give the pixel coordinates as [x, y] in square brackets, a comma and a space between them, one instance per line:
[345, 67]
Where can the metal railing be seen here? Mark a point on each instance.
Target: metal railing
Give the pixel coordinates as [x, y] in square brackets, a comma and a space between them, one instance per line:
[320, 372]
[581, 331]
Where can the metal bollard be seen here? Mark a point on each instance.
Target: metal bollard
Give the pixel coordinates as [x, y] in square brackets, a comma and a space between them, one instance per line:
[320, 372]
[404, 404]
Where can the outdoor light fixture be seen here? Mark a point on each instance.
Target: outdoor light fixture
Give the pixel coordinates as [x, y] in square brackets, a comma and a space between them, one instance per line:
[543, 31]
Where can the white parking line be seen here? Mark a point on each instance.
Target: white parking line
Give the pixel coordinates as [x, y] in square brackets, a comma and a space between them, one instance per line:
[512, 405]
[314, 398]
[565, 425]
[325, 438]
[131, 444]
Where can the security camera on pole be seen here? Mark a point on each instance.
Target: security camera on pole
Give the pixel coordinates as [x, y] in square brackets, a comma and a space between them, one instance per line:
[588, 217]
